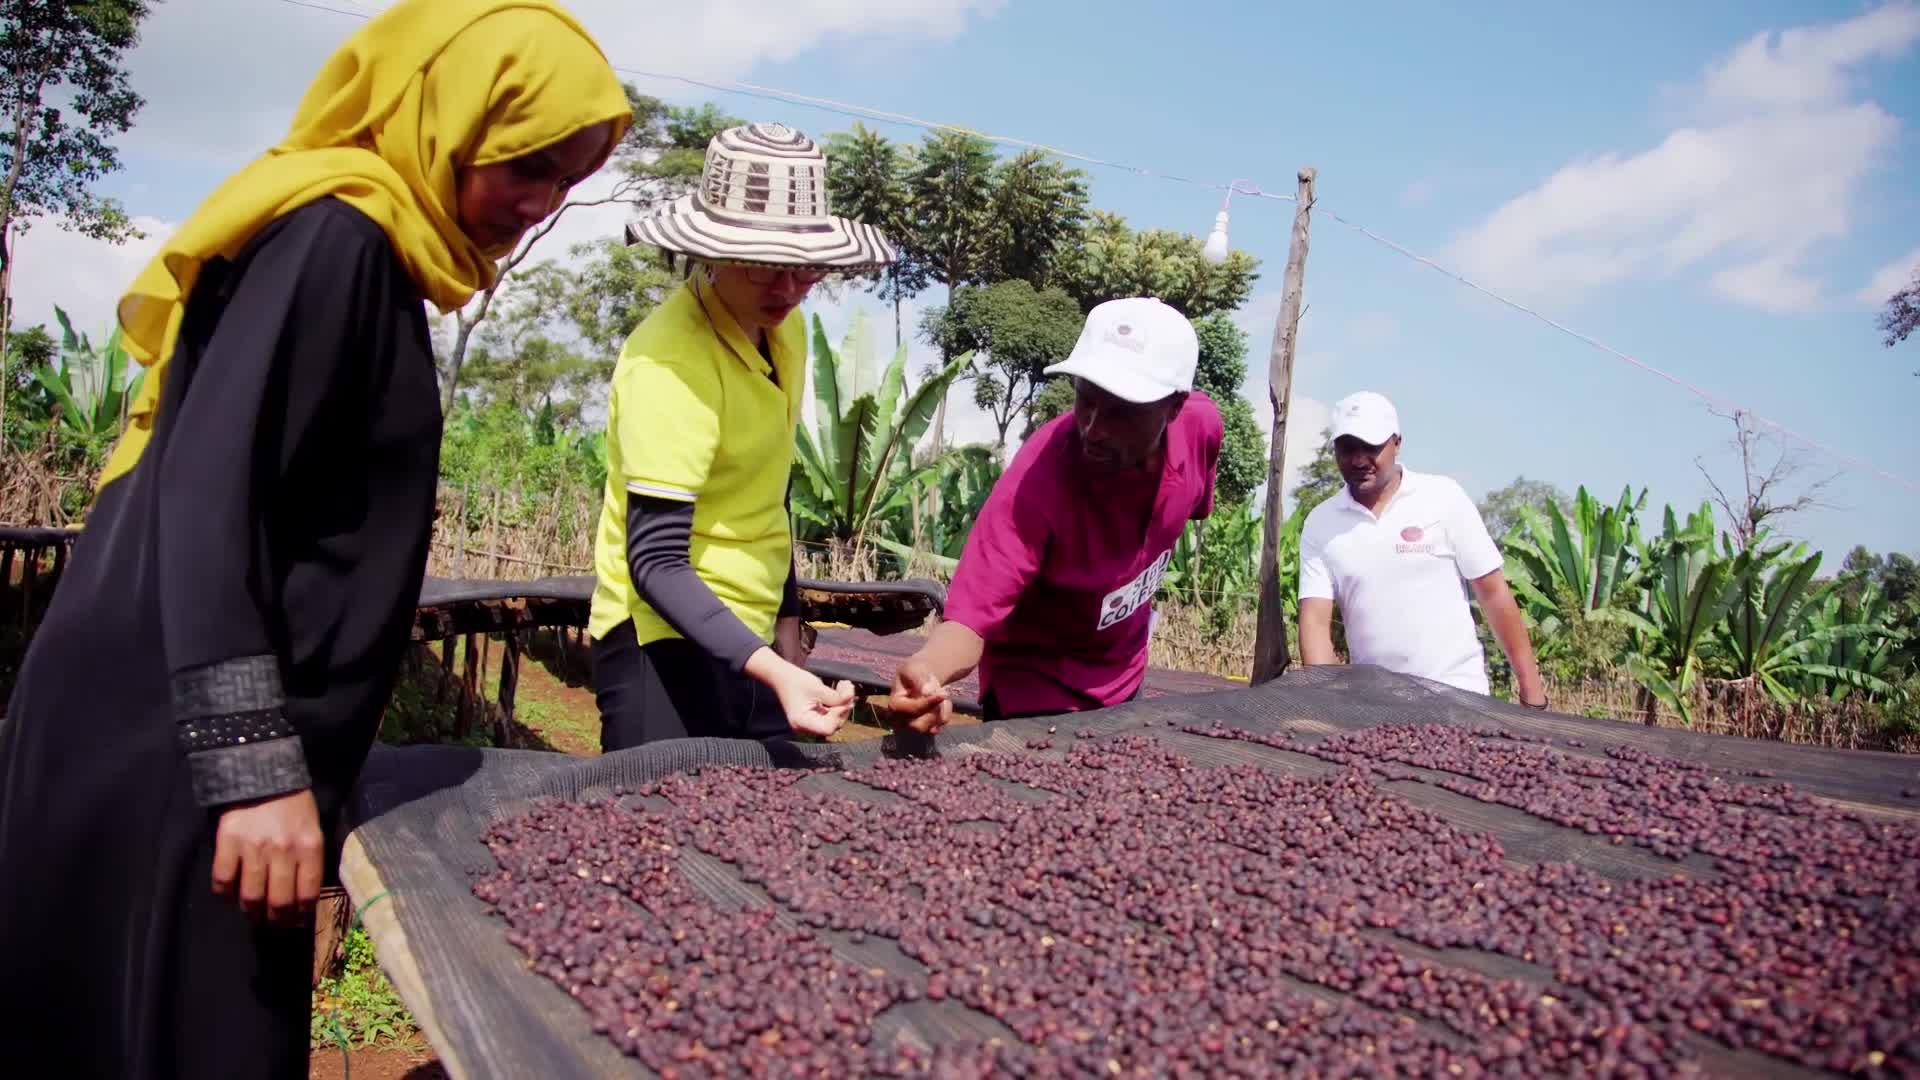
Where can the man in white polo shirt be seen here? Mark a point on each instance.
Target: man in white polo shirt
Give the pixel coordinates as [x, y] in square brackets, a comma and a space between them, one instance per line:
[1392, 549]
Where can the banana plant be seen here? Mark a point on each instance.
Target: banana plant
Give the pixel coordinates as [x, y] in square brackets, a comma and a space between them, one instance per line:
[1870, 652]
[590, 452]
[964, 483]
[1771, 636]
[965, 479]
[1689, 589]
[90, 386]
[1219, 559]
[1564, 571]
[854, 475]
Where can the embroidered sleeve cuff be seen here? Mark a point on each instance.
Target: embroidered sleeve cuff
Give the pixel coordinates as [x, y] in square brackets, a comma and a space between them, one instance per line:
[255, 771]
[230, 723]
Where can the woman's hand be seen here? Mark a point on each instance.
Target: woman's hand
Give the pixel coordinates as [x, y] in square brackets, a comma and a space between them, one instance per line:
[918, 699]
[267, 857]
[812, 707]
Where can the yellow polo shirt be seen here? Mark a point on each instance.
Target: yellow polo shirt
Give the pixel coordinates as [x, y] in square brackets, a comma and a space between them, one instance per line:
[692, 415]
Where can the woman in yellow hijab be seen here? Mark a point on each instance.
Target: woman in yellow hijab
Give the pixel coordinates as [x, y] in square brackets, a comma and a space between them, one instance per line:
[205, 687]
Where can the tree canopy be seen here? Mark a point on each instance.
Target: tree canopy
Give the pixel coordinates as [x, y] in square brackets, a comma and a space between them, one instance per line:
[1015, 332]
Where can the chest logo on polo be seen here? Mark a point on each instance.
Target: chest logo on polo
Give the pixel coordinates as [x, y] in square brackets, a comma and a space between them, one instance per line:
[1121, 603]
[1413, 542]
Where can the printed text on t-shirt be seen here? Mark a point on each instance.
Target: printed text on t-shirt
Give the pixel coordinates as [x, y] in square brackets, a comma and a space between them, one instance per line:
[1135, 594]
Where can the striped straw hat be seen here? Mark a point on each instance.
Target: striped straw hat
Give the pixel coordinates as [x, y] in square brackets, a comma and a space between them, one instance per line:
[763, 200]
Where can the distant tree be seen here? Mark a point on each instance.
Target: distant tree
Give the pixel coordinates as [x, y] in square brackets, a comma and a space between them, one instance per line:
[551, 343]
[1862, 561]
[1902, 314]
[1860, 569]
[1112, 260]
[27, 351]
[1015, 332]
[952, 234]
[1900, 578]
[1243, 452]
[64, 95]
[951, 188]
[1038, 210]
[1222, 366]
[868, 181]
[1501, 509]
[1767, 493]
[1321, 479]
[612, 287]
[1221, 372]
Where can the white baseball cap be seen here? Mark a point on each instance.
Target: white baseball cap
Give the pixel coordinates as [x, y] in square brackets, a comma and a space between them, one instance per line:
[1135, 348]
[1366, 416]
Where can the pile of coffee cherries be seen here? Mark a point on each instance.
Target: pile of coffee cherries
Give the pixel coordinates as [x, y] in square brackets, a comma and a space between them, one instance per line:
[1109, 908]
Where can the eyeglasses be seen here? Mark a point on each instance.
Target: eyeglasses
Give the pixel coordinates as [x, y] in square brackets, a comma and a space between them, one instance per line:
[767, 275]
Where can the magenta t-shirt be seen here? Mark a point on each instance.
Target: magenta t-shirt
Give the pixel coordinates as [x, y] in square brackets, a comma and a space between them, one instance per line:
[1059, 571]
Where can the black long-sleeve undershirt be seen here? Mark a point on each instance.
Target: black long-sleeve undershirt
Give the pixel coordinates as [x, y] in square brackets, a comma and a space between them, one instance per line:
[659, 540]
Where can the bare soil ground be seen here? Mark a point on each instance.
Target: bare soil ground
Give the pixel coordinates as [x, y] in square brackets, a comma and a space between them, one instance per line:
[399, 1062]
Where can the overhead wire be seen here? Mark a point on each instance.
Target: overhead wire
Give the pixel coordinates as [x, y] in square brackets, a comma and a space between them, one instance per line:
[867, 112]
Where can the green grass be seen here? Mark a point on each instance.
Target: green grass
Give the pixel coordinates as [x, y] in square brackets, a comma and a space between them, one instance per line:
[358, 1007]
[558, 724]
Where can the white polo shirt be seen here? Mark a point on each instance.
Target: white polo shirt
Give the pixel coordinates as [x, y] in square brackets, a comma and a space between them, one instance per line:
[1400, 578]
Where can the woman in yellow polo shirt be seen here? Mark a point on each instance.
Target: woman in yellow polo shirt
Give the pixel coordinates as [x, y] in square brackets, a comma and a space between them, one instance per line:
[696, 617]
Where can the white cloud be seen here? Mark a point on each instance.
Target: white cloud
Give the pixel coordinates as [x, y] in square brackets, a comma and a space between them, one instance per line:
[1890, 279]
[1772, 169]
[1771, 285]
[1810, 65]
[85, 277]
[271, 51]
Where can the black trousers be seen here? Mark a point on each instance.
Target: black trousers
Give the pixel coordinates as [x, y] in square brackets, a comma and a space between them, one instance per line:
[673, 689]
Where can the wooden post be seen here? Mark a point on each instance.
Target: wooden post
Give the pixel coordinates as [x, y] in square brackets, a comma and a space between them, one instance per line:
[509, 682]
[460, 537]
[30, 573]
[469, 689]
[335, 910]
[446, 671]
[493, 537]
[1270, 635]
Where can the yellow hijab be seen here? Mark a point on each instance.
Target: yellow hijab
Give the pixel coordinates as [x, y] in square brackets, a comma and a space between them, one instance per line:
[423, 89]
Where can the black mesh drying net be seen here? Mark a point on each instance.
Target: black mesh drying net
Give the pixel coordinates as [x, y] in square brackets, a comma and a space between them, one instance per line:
[420, 812]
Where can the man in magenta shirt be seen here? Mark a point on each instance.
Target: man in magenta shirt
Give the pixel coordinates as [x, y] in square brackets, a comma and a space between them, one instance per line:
[1053, 597]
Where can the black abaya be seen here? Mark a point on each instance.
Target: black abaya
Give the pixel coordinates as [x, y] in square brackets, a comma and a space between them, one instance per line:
[274, 533]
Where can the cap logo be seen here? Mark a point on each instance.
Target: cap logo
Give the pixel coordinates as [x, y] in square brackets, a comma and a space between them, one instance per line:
[1123, 337]
[1411, 534]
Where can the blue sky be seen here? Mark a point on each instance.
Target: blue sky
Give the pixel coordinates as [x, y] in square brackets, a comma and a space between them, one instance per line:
[1683, 182]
